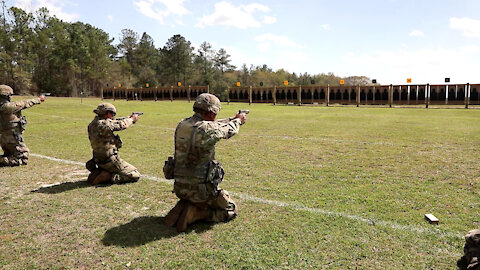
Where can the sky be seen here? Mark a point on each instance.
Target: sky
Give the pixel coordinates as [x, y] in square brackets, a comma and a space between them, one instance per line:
[386, 40]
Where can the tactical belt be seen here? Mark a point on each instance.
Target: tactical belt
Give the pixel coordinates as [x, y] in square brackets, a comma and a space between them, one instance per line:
[189, 186]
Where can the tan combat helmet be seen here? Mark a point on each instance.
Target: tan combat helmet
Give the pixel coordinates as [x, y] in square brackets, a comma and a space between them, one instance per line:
[6, 90]
[103, 108]
[207, 102]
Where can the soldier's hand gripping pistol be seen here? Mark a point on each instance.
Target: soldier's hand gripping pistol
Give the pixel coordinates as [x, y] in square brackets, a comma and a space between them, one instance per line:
[135, 116]
[242, 115]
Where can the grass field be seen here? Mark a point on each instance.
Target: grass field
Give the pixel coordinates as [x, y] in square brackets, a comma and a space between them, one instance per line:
[317, 187]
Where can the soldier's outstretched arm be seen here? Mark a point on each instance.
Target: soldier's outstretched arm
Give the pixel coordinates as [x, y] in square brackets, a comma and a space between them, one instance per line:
[15, 106]
[212, 132]
[120, 124]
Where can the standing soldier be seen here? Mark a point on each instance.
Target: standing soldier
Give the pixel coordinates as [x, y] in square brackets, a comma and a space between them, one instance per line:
[106, 166]
[197, 174]
[12, 125]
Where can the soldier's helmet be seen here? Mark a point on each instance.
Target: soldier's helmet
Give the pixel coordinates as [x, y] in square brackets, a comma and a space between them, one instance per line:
[6, 90]
[103, 108]
[207, 102]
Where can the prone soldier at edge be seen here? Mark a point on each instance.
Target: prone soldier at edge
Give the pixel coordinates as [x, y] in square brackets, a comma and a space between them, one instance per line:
[12, 125]
[197, 174]
[106, 166]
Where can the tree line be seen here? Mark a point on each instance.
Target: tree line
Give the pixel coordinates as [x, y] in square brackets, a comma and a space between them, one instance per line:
[41, 53]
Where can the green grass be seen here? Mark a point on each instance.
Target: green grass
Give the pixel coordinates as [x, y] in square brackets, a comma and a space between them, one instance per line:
[356, 183]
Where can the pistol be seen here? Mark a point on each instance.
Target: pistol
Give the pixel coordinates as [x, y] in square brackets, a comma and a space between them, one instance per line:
[243, 111]
[137, 113]
[45, 94]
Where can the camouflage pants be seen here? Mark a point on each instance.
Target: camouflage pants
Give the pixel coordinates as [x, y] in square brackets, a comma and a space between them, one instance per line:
[122, 171]
[222, 207]
[15, 152]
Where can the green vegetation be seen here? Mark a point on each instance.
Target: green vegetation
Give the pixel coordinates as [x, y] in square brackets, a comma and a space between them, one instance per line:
[317, 187]
[40, 53]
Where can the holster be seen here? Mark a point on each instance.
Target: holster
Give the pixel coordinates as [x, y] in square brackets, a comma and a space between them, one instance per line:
[169, 168]
[91, 165]
[117, 141]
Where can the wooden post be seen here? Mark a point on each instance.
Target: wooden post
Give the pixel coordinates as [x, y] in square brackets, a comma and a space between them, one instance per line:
[416, 96]
[328, 95]
[374, 91]
[171, 93]
[141, 94]
[188, 93]
[358, 95]
[299, 95]
[102, 93]
[208, 89]
[228, 95]
[250, 95]
[113, 93]
[408, 94]
[427, 98]
[390, 95]
[274, 95]
[467, 95]
[447, 89]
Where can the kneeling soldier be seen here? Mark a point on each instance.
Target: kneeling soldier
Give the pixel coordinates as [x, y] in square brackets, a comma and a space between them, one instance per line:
[197, 174]
[12, 125]
[106, 166]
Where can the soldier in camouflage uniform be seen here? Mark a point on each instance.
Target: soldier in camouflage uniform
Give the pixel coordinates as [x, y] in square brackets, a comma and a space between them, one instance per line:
[12, 125]
[196, 172]
[472, 249]
[106, 166]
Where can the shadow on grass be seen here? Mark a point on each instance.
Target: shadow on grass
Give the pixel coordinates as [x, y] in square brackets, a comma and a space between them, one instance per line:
[61, 187]
[143, 230]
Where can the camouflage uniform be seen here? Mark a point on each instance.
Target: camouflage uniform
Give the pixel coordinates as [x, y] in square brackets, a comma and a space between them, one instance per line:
[197, 174]
[472, 249]
[105, 145]
[12, 125]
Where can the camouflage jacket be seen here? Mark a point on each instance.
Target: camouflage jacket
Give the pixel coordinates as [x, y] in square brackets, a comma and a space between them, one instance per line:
[100, 133]
[11, 113]
[195, 141]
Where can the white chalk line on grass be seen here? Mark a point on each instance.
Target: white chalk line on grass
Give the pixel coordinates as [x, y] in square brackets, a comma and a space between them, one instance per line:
[388, 224]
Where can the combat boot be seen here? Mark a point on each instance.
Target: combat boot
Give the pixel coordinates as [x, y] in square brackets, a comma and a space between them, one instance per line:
[172, 216]
[4, 162]
[102, 178]
[190, 214]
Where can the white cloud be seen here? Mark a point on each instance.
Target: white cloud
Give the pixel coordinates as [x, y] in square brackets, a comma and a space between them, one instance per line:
[325, 26]
[265, 41]
[269, 20]
[161, 9]
[55, 7]
[110, 18]
[237, 16]
[423, 66]
[468, 27]
[292, 61]
[416, 33]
